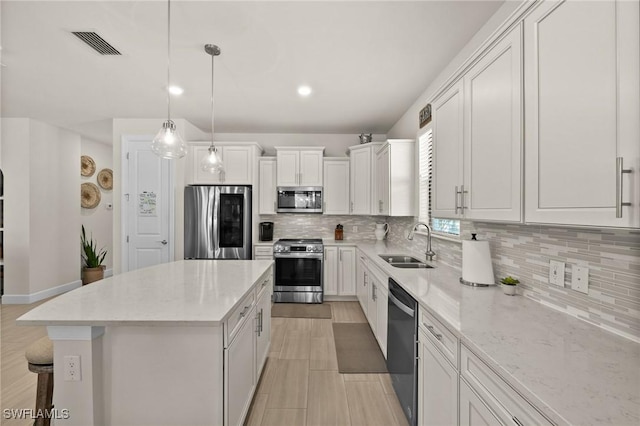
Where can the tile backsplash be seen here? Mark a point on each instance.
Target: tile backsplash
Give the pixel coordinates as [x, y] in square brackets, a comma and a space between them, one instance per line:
[300, 225]
[524, 251]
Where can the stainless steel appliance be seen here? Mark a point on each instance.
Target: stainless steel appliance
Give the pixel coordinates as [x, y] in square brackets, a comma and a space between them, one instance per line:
[402, 349]
[298, 276]
[299, 199]
[217, 222]
[266, 231]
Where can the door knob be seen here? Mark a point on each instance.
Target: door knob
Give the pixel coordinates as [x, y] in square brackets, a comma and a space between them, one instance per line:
[164, 242]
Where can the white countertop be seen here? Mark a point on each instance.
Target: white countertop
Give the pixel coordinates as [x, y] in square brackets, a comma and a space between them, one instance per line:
[573, 371]
[186, 292]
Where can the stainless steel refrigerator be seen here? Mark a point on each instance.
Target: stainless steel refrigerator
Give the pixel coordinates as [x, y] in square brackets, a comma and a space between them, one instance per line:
[217, 222]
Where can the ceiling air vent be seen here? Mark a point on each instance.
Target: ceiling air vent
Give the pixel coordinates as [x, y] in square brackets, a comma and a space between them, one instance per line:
[96, 42]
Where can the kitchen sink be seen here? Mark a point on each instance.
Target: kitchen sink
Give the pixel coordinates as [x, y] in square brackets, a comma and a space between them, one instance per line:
[403, 261]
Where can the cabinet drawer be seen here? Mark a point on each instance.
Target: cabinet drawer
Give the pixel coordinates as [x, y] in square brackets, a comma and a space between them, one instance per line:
[238, 317]
[498, 394]
[383, 278]
[440, 335]
[265, 285]
[263, 251]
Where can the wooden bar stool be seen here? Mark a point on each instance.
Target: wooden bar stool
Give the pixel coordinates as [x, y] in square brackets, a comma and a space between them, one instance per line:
[40, 358]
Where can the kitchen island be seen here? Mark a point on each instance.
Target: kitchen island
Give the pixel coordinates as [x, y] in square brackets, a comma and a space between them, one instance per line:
[177, 343]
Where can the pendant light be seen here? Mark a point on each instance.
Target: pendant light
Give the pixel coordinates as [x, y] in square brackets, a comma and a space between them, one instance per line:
[168, 143]
[212, 162]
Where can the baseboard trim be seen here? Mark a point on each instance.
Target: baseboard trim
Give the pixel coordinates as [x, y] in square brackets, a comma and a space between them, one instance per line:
[27, 299]
[336, 298]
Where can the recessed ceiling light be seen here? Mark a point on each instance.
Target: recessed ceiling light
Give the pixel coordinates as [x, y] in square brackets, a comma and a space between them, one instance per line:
[304, 90]
[175, 90]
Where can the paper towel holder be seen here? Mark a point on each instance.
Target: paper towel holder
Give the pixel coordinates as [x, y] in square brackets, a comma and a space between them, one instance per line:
[472, 283]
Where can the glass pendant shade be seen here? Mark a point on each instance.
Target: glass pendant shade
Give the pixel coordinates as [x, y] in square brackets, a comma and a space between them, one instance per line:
[168, 143]
[212, 162]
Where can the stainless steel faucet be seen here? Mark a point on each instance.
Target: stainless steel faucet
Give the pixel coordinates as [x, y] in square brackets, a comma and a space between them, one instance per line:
[429, 253]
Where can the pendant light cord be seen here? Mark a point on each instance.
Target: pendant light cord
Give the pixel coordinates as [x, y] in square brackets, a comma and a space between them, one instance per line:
[168, 59]
[212, 99]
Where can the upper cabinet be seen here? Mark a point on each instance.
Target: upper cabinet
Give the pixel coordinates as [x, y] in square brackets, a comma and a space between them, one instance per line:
[240, 160]
[582, 72]
[395, 178]
[267, 185]
[362, 171]
[477, 138]
[299, 166]
[335, 190]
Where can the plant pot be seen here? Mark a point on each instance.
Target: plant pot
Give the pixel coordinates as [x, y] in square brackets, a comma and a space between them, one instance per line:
[509, 290]
[90, 275]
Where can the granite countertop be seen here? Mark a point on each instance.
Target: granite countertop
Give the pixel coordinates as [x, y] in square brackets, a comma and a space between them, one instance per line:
[186, 292]
[573, 371]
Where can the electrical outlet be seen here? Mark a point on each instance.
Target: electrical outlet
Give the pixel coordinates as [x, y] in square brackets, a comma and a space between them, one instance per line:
[72, 372]
[556, 273]
[580, 279]
[354, 228]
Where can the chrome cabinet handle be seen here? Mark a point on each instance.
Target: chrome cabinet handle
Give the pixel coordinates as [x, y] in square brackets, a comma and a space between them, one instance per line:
[244, 311]
[516, 421]
[620, 170]
[462, 192]
[351, 207]
[431, 329]
[164, 242]
[455, 197]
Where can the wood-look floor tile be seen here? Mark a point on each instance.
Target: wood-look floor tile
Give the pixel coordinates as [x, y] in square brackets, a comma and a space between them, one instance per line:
[290, 385]
[347, 312]
[296, 345]
[268, 375]
[299, 324]
[387, 386]
[368, 404]
[396, 410]
[361, 377]
[321, 328]
[256, 411]
[327, 400]
[284, 417]
[278, 328]
[323, 354]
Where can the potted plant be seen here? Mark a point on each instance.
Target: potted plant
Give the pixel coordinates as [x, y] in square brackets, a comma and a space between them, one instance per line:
[92, 258]
[509, 285]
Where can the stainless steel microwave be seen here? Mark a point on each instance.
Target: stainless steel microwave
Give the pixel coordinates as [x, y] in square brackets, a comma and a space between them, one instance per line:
[299, 199]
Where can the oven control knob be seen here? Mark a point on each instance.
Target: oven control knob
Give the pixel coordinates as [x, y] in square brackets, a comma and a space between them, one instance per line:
[309, 248]
[277, 248]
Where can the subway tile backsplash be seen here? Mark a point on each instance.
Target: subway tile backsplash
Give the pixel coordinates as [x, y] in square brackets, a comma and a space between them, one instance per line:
[524, 251]
[300, 225]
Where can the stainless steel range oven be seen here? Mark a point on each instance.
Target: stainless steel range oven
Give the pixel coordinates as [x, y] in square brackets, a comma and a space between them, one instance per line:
[298, 275]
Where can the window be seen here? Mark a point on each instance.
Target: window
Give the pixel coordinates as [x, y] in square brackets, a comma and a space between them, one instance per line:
[425, 178]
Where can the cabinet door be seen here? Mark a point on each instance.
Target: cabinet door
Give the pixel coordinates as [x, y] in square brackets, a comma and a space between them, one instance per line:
[473, 411]
[330, 271]
[447, 152]
[493, 133]
[199, 176]
[288, 166]
[336, 190]
[238, 165]
[402, 178]
[263, 327]
[372, 308]
[360, 165]
[382, 299]
[382, 181]
[581, 110]
[437, 386]
[240, 372]
[347, 271]
[310, 168]
[361, 282]
[267, 170]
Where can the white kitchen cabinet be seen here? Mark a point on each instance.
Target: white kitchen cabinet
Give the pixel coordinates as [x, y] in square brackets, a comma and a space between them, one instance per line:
[395, 178]
[362, 171]
[263, 325]
[336, 188]
[267, 185]
[492, 147]
[382, 301]
[339, 271]
[362, 278]
[239, 160]
[447, 151]
[473, 411]
[299, 166]
[582, 88]
[373, 295]
[372, 308]
[437, 385]
[240, 372]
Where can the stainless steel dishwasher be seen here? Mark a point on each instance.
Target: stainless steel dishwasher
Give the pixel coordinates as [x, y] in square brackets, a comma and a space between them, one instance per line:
[402, 349]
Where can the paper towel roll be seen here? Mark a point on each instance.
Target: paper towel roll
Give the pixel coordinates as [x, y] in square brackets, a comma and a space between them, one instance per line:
[476, 263]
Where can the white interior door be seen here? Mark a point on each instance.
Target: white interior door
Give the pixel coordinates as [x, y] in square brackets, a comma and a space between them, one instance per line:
[148, 206]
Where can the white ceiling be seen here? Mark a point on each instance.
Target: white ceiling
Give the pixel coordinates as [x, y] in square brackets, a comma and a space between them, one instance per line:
[366, 61]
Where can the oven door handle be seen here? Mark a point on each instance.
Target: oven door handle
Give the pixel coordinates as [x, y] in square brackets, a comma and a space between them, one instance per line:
[318, 256]
[404, 308]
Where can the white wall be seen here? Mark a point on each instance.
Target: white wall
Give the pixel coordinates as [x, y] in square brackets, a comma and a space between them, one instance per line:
[42, 210]
[407, 126]
[98, 222]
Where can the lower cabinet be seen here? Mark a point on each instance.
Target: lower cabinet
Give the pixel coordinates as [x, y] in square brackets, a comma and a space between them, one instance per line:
[246, 353]
[339, 271]
[373, 294]
[472, 410]
[362, 279]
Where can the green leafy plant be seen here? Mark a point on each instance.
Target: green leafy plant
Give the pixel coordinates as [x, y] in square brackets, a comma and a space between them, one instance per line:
[91, 256]
[509, 280]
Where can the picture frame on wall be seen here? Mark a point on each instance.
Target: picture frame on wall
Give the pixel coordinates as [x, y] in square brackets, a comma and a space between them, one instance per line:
[424, 117]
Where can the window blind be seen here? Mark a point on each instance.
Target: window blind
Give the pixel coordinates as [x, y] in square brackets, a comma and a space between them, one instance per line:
[425, 152]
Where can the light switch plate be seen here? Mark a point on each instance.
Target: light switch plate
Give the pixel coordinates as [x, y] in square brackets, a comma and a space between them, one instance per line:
[580, 279]
[556, 273]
